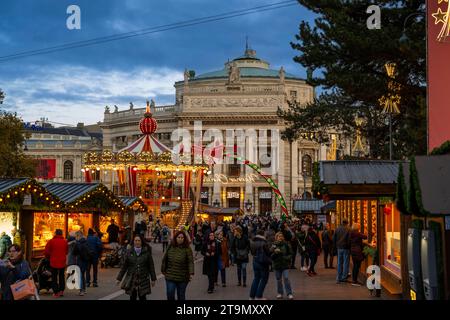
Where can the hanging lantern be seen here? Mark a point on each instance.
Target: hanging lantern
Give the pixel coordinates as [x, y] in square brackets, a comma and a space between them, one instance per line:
[148, 124]
[387, 210]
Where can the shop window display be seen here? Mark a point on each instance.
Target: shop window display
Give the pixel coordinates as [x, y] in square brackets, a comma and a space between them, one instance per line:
[45, 224]
[366, 217]
[373, 226]
[6, 223]
[105, 221]
[392, 253]
[79, 222]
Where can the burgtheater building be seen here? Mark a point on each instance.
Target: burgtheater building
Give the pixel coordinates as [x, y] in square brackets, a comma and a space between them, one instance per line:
[244, 94]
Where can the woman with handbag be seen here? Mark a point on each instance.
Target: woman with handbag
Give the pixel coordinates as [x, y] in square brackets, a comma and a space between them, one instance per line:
[240, 248]
[178, 266]
[313, 247]
[139, 268]
[15, 269]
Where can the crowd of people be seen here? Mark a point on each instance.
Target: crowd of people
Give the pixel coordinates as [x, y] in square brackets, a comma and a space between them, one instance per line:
[271, 243]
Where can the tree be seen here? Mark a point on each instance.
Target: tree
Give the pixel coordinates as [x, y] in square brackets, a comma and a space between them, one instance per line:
[349, 62]
[2, 96]
[13, 162]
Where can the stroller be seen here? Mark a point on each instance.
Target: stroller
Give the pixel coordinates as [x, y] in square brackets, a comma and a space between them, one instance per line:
[112, 255]
[42, 276]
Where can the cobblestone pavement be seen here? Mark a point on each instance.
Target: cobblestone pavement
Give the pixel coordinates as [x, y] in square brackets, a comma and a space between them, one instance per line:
[321, 287]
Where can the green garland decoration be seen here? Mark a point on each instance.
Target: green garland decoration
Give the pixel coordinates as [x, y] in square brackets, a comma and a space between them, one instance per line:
[318, 189]
[402, 196]
[415, 205]
[442, 149]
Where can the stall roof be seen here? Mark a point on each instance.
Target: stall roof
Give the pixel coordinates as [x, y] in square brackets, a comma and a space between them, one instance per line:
[306, 205]
[359, 172]
[218, 211]
[168, 208]
[331, 205]
[128, 201]
[434, 176]
[69, 192]
[6, 184]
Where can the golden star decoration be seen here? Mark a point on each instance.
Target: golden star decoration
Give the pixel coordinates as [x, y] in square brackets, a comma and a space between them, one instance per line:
[439, 16]
[440, 1]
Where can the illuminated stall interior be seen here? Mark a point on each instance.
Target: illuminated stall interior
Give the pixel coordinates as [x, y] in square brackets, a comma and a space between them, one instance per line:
[83, 206]
[364, 192]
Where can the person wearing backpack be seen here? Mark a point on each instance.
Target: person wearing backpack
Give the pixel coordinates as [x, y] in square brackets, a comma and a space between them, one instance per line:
[82, 256]
[165, 233]
[95, 249]
[261, 262]
[281, 256]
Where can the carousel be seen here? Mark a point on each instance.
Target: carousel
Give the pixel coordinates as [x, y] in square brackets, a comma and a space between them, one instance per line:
[149, 170]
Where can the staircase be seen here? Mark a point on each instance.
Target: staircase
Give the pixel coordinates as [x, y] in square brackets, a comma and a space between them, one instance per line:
[187, 210]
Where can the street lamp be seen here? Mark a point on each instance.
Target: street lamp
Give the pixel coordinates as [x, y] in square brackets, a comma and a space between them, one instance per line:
[304, 184]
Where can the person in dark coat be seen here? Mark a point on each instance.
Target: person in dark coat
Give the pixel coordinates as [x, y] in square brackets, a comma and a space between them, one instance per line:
[16, 268]
[313, 246]
[281, 257]
[178, 266]
[139, 268]
[95, 248]
[356, 251]
[341, 241]
[327, 246]
[82, 255]
[56, 251]
[198, 242]
[211, 252]
[261, 262]
[113, 232]
[240, 247]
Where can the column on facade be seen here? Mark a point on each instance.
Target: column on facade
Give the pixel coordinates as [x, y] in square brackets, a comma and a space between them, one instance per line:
[250, 152]
[217, 192]
[294, 170]
[283, 172]
[59, 168]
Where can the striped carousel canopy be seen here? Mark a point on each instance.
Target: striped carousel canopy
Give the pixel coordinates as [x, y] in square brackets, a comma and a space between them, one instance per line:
[146, 143]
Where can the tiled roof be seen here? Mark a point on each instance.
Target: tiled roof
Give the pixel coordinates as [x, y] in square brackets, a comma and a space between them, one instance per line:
[6, 184]
[359, 172]
[69, 192]
[308, 206]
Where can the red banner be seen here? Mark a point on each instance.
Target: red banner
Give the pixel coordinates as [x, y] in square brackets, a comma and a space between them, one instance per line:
[46, 169]
[132, 181]
[438, 35]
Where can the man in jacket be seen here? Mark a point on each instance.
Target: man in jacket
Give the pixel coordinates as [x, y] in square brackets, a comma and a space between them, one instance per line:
[261, 262]
[113, 232]
[95, 248]
[341, 241]
[56, 251]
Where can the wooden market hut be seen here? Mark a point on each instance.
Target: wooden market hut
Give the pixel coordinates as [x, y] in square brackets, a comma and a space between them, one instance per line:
[365, 193]
[310, 208]
[423, 197]
[211, 213]
[83, 206]
[17, 197]
[134, 206]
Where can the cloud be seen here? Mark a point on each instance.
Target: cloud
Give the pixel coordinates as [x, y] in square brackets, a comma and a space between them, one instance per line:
[70, 94]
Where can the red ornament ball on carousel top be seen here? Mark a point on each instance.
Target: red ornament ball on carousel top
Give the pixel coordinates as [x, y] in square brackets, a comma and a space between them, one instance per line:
[148, 124]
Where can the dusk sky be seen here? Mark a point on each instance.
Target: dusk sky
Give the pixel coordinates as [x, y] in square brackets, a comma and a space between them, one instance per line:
[75, 85]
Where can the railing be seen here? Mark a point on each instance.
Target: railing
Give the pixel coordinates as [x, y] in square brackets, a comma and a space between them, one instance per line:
[136, 113]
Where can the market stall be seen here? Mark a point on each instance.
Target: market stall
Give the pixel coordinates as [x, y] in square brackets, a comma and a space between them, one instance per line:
[210, 213]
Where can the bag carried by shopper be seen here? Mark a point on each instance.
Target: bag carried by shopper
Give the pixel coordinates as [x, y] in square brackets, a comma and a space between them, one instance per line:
[25, 289]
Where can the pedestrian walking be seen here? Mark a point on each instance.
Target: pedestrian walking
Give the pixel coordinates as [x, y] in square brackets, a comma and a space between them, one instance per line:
[95, 250]
[82, 256]
[211, 253]
[261, 262]
[178, 266]
[281, 257]
[301, 238]
[165, 237]
[327, 246]
[198, 242]
[56, 251]
[241, 249]
[356, 251]
[313, 247]
[16, 268]
[224, 258]
[341, 241]
[139, 268]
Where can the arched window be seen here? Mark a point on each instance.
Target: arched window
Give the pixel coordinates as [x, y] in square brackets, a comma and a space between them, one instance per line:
[68, 170]
[307, 165]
